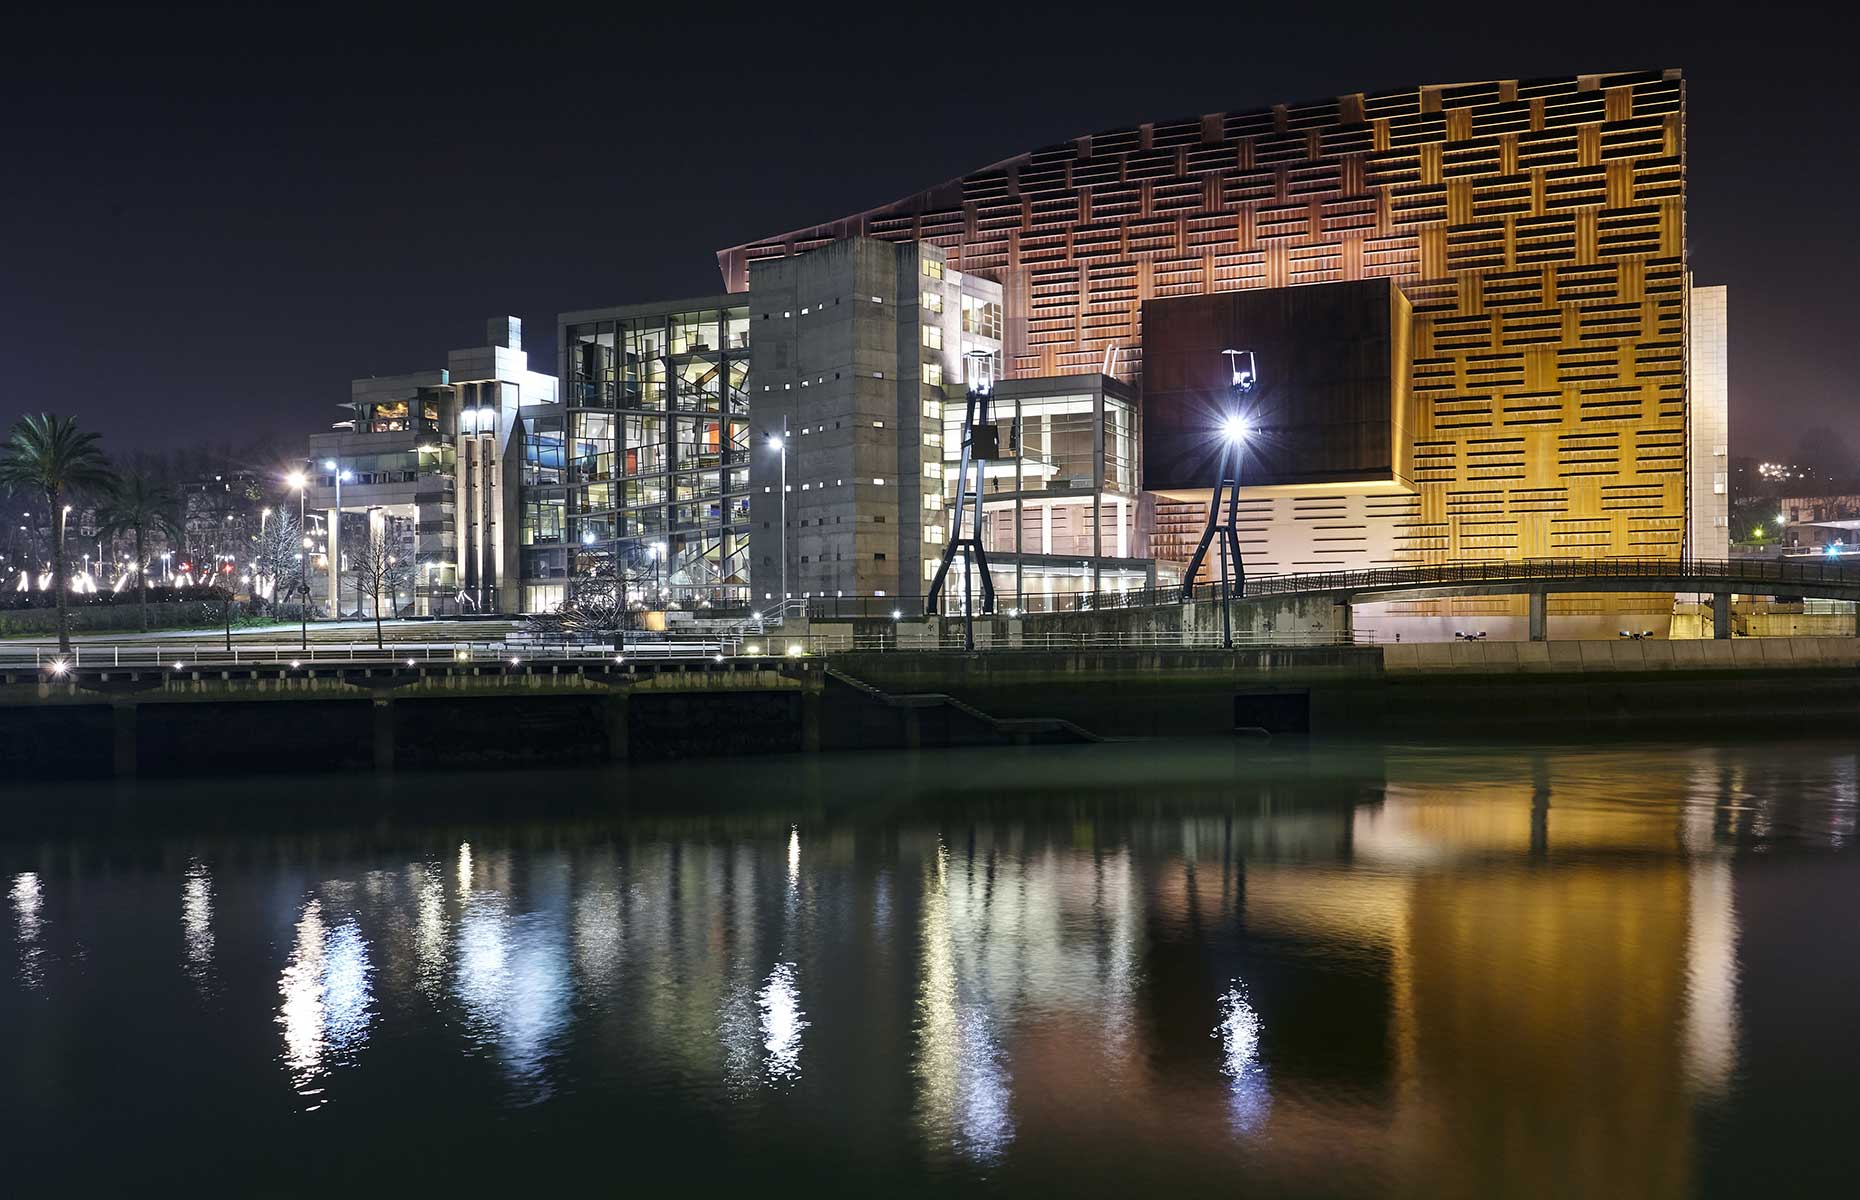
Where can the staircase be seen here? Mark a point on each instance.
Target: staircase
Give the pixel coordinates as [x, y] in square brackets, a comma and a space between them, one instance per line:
[1012, 730]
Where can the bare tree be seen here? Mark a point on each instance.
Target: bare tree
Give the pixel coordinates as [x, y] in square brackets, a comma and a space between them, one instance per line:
[378, 568]
[277, 559]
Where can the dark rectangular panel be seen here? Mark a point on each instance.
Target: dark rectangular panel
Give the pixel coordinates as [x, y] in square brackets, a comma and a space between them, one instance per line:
[1331, 373]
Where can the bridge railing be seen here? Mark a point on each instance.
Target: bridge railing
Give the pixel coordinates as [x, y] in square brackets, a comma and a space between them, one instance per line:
[1711, 575]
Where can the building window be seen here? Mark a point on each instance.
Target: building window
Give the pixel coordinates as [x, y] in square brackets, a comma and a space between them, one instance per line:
[933, 268]
[933, 374]
[933, 336]
[933, 302]
[981, 317]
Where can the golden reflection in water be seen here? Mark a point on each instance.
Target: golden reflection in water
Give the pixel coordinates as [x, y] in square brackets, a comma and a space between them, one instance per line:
[464, 869]
[1548, 1018]
[28, 897]
[197, 921]
[327, 1003]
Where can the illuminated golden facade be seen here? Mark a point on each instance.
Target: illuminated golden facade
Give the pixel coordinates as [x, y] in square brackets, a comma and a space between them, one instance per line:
[1536, 226]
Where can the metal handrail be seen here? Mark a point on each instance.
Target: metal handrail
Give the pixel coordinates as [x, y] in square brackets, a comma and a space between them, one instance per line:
[1714, 572]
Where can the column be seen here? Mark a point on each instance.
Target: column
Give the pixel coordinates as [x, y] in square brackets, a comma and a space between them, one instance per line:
[333, 523]
[619, 747]
[1721, 615]
[1540, 616]
[123, 738]
[384, 733]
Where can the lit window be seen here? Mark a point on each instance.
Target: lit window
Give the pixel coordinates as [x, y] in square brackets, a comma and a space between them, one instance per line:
[933, 301]
[981, 317]
[933, 374]
[933, 268]
[933, 336]
[878, 483]
[933, 470]
[933, 410]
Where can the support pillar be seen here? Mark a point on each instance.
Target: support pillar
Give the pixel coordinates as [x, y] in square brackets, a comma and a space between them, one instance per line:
[332, 525]
[1345, 623]
[810, 718]
[619, 735]
[384, 733]
[1540, 616]
[123, 721]
[1721, 615]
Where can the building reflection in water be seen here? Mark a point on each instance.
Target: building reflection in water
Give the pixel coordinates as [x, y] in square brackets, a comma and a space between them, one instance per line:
[1466, 969]
[513, 978]
[426, 882]
[964, 1086]
[327, 1003]
[197, 922]
[28, 897]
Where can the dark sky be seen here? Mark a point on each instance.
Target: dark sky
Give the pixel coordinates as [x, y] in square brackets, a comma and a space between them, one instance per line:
[212, 219]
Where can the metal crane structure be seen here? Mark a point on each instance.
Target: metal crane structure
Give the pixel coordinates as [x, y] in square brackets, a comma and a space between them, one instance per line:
[981, 444]
[1223, 516]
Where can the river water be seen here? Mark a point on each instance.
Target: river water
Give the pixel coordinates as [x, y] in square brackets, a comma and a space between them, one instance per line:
[1312, 970]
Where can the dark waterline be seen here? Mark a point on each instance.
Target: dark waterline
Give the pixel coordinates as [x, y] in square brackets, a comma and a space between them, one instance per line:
[1268, 969]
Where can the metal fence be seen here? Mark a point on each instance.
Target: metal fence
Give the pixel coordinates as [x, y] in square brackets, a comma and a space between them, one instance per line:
[1710, 574]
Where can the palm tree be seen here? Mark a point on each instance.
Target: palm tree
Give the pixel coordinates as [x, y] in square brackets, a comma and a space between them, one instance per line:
[141, 505]
[49, 455]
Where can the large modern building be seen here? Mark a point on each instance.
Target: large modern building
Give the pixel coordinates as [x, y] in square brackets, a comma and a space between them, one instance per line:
[644, 467]
[1529, 390]
[854, 351]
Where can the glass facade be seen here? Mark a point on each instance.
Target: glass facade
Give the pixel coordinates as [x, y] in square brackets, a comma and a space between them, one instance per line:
[1059, 512]
[648, 458]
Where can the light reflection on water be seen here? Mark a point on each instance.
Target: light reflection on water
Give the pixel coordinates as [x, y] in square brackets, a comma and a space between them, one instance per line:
[327, 1004]
[1337, 973]
[197, 922]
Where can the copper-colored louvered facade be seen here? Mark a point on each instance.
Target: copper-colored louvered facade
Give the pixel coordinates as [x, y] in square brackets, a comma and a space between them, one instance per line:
[1536, 226]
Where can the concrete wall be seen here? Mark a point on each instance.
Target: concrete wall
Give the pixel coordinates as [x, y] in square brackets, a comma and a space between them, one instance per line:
[1621, 655]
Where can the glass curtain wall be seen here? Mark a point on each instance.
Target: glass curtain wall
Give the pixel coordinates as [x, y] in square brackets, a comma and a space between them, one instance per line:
[1060, 507]
[654, 459]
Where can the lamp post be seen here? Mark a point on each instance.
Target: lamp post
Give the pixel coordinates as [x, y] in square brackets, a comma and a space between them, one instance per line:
[779, 443]
[301, 482]
[1234, 431]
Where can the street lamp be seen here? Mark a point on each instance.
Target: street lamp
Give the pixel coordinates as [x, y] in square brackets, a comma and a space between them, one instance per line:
[301, 482]
[778, 442]
[1235, 429]
[657, 552]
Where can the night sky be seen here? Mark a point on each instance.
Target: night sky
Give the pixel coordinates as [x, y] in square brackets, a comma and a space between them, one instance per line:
[212, 219]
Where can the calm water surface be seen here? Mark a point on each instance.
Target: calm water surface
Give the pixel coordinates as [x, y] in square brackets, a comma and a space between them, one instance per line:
[1326, 970]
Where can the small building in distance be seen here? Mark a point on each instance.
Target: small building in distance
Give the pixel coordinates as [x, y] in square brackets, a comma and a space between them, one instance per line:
[430, 459]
